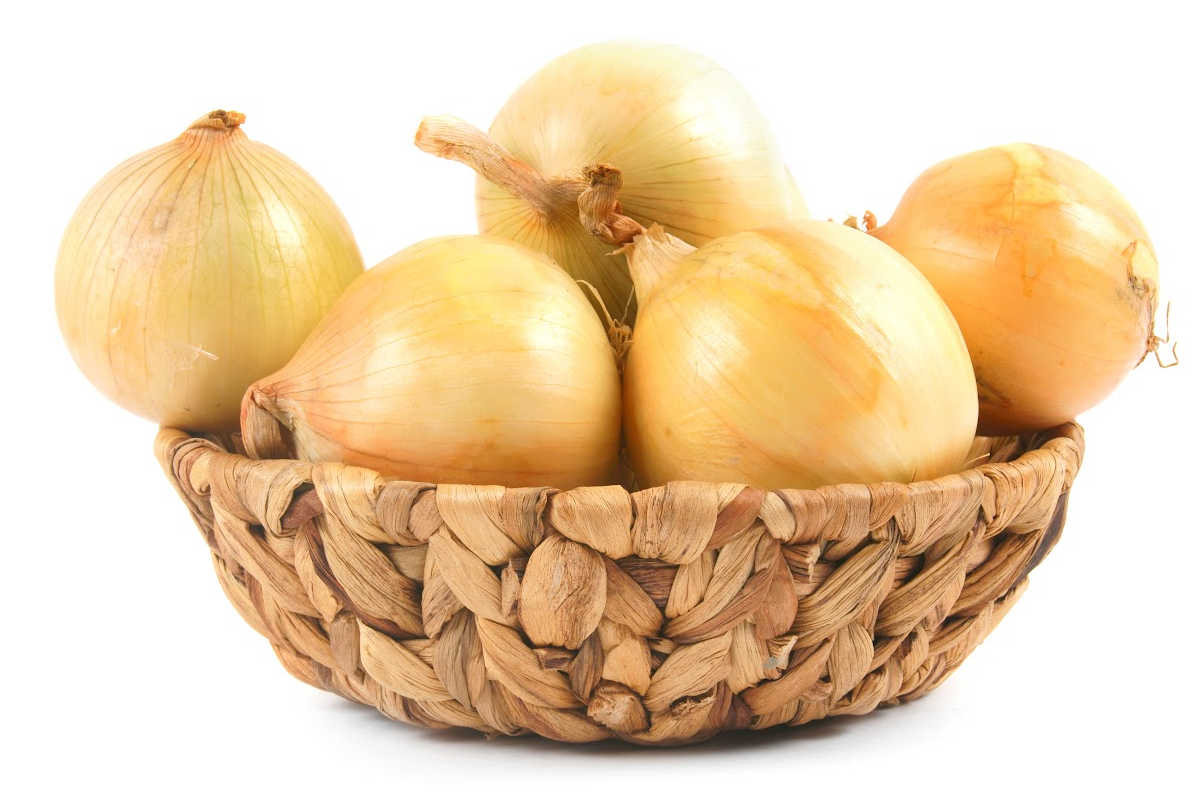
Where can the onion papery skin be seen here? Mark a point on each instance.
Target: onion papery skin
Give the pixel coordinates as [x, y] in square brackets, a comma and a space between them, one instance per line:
[696, 154]
[195, 268]
[1049, 272]
[465, 359]
[795, 358]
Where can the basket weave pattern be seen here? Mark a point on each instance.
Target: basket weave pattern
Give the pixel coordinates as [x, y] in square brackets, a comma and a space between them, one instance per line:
[660, 617]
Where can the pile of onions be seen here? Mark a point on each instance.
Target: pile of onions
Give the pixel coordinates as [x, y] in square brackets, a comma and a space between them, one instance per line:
[798, 356]
[1047, 269]
[196, 267]
[465, 359]
[1012, 289]
[696, 154]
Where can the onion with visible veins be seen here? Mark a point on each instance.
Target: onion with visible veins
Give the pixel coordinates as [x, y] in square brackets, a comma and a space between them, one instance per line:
[697, 156]
[464, 359]
[1048, 271]
[195, 268]
[790, 357]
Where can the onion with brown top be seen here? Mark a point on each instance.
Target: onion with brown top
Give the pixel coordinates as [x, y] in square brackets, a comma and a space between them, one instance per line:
[1048, 270]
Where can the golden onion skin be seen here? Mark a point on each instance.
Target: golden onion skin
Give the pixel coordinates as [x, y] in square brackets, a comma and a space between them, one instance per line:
[464, 359]
[696, 154]
[1048, 270]
[794, 358]
[196, 267]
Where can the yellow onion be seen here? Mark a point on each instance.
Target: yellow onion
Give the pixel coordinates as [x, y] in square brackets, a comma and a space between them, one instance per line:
[1047, 269]
[464, 359]
[196, 267]
[796, 356]
[696, 154]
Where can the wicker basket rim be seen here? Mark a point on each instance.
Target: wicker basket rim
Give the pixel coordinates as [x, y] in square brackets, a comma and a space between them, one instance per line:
[1063, 441]
[593, 511]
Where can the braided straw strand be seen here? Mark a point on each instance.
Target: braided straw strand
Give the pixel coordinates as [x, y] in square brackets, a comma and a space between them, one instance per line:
[659, 617]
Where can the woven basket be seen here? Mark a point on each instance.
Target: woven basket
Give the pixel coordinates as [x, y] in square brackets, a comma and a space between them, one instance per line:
[659, 617]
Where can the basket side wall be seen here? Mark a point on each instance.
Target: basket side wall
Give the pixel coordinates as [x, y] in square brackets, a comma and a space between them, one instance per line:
[658, 617]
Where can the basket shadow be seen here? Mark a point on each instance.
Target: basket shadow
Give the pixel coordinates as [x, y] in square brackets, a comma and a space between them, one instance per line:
[731, 741]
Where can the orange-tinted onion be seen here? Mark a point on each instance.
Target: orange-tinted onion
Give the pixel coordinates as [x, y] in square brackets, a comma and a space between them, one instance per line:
[1048, 271]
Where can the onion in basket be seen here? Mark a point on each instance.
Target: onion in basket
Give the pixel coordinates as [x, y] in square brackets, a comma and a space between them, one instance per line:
[464, 359]
[1048, 270]
[196, 267]
[796, 356]
[697, 155]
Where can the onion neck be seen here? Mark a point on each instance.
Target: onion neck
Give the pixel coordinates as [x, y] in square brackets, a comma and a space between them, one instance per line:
[592, 197]
[653, 256]
[265, 434]
[219, 120]
[451, 138]
[216, 126]
[652, 253]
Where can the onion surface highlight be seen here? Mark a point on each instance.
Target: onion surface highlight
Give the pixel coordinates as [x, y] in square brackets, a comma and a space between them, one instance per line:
[196, 267]
[464, 359]
[789, 357]
[1048, 270]
[696, 154]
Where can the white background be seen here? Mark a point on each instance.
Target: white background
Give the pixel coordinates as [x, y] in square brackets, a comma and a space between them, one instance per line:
[124, 668]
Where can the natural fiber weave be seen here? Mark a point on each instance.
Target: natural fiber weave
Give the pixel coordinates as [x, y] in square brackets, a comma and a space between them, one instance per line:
[659, 617]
